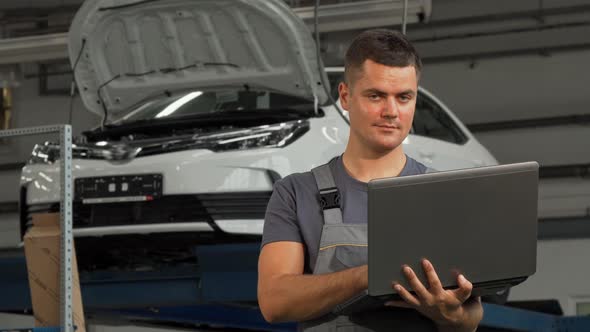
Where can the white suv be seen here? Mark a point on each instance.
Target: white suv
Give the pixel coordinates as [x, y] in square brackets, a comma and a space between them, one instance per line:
[205, 106]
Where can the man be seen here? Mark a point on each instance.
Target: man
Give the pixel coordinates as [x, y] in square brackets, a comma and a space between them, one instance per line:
[302, 276]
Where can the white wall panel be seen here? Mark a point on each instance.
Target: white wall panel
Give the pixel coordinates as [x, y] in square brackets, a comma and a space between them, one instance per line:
[526, 87]
[548, 145]
[562, 274]
[567, 197]
[510, 88]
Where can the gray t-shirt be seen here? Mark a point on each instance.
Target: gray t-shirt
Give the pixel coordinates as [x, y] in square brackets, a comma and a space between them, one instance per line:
[294, 214]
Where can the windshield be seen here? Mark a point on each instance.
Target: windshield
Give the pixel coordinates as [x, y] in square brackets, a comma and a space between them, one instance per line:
[203, 102]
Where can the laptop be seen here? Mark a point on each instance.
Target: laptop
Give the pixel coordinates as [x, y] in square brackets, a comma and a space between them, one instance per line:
[479, 222]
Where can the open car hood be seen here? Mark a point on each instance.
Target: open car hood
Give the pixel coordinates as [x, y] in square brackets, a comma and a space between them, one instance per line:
[133, 50]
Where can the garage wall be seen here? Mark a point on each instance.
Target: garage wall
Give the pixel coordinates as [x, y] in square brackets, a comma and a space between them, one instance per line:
[9, 231]
[522, 87]
[513, 87]
[30, 109]
[562, 274]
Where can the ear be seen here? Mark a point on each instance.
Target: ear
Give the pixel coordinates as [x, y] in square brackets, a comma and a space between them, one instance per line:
[344, 93]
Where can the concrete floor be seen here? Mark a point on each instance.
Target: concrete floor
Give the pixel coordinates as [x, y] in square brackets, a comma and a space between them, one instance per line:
[14, 321]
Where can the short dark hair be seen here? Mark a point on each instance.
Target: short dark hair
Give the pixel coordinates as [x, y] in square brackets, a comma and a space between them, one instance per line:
[386, 47]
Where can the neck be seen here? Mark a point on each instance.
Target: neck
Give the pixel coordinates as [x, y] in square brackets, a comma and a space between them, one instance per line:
[364, 164]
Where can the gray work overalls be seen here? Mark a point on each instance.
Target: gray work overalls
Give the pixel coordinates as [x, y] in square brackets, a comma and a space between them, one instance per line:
[344, 246]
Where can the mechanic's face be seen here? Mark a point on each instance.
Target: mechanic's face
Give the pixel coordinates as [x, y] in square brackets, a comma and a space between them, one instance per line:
[381, 102]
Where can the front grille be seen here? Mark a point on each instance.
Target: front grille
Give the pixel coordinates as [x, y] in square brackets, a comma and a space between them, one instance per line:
[130, 252]
[167, 209]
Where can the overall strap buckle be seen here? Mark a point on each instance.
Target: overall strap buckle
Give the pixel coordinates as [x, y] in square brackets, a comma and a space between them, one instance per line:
[329, 198]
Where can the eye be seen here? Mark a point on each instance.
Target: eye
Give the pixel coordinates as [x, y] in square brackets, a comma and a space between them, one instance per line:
[374, 97]
[405, 98]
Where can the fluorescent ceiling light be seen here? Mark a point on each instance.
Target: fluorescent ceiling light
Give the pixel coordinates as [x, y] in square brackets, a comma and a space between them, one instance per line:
[178, 103]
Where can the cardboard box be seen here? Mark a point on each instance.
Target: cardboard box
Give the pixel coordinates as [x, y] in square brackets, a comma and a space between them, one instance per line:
[42, 251]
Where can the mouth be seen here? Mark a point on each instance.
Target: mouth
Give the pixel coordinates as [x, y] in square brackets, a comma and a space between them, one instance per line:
[387, 126]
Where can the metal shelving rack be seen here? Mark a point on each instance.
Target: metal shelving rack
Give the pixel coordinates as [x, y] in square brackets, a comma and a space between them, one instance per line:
[66, 192]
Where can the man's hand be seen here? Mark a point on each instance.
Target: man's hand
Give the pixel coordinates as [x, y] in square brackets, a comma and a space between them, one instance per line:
[451, 310]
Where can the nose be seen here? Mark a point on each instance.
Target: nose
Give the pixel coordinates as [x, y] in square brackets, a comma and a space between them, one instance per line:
[391, 108]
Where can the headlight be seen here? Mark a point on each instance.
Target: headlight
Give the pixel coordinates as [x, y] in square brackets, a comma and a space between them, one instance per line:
[276, 135]
[46, 153]
[49, 153]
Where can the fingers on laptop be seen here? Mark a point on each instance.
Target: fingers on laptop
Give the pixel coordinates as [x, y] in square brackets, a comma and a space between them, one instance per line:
[417, 286]
[410, 300]
[434, 283]
[423, 294]
[465, 287]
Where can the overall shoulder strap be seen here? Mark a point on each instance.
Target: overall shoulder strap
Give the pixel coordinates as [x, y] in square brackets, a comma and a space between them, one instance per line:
[329, 194]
